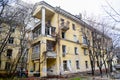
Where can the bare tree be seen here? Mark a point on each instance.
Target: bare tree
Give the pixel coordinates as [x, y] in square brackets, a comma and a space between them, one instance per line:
[18, 16]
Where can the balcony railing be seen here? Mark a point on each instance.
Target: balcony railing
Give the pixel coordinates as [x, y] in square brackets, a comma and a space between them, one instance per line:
[35, 56]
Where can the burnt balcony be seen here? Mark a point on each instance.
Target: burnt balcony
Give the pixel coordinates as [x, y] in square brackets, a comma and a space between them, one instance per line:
[35, 56]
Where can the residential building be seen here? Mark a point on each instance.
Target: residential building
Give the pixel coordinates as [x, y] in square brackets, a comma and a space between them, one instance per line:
[9, 37]
[60, 42]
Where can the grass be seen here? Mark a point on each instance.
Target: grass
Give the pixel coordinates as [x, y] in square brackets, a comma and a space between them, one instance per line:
[76, 78]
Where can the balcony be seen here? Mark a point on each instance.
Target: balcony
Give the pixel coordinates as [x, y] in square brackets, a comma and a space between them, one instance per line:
[49, 31]
[35, 56]
[84, 43]
[65, 26]
[51, 54]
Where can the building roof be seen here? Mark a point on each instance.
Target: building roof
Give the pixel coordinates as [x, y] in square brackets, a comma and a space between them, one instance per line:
[71, 16]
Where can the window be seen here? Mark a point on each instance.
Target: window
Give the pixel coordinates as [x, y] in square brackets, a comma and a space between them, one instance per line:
[85, 52]
[48, 30]
[9, 53]
[67, 23]
[73, 26]
[65, 67]
[81, 29]
[11, 40]
[88, 32]
[75, 38]
[64, 49]
[84, 40]
[76, 50]
[77, 64]
[36, 49]
[7, 66]
[53, 30]
[63, 35]
[62, 22]
[12, 29]
[86, 64]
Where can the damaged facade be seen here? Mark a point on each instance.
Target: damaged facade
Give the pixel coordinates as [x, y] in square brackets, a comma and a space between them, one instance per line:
[58, 44]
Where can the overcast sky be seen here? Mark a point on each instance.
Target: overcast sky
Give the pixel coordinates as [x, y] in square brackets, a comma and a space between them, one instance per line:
[91, 7]
[80, 6]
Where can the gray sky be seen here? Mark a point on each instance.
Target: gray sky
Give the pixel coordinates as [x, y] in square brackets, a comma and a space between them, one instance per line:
[91, 7]
[79, 6]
